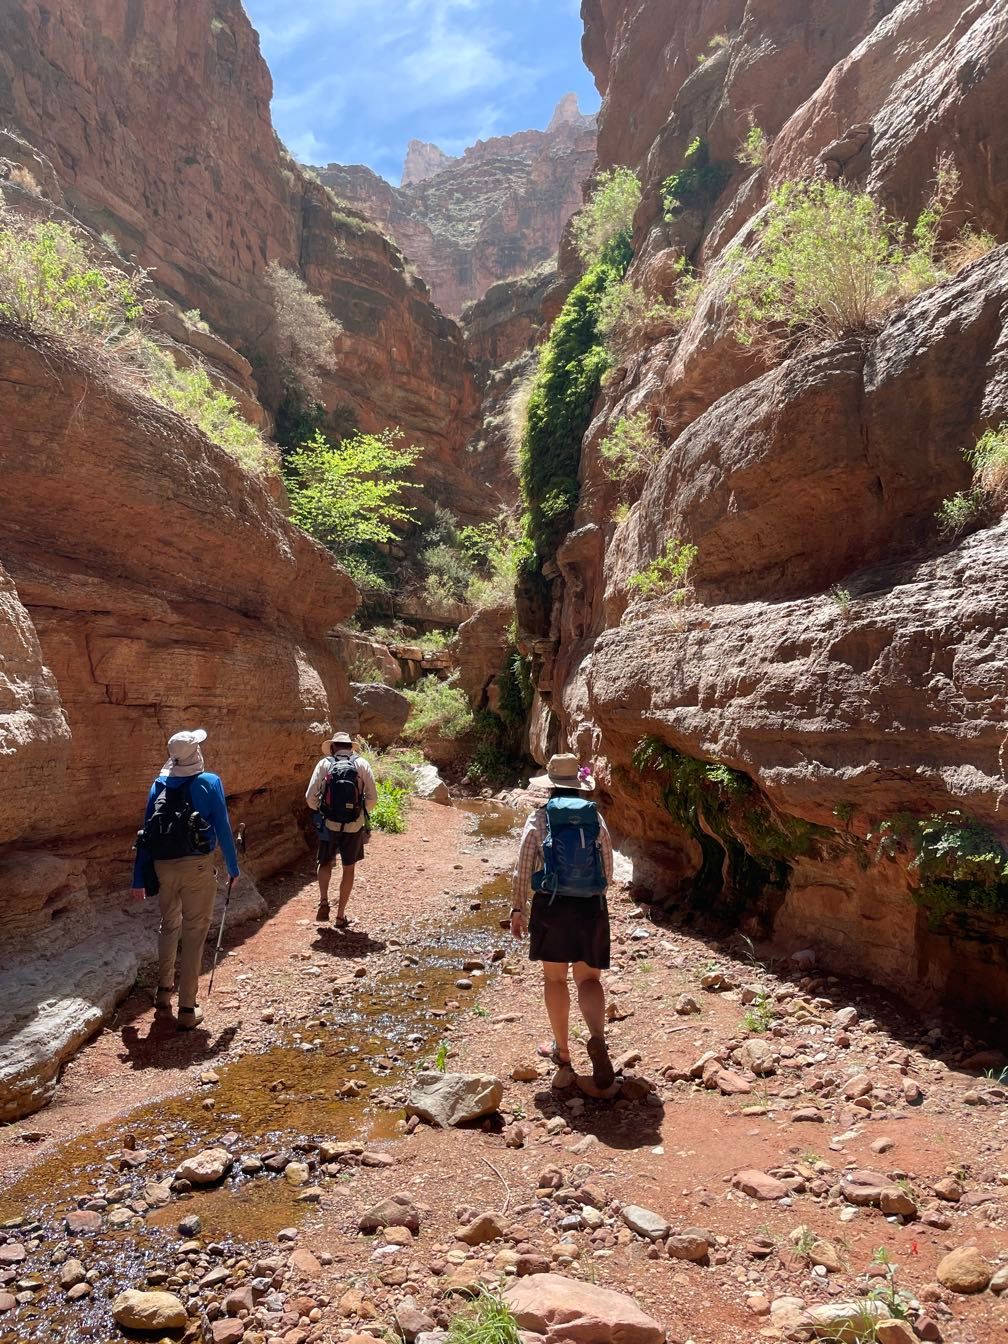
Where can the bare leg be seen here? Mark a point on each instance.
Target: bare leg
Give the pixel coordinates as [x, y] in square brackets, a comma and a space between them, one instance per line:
[591, 998]
[557, 995]
[345, 888]
[324, 876]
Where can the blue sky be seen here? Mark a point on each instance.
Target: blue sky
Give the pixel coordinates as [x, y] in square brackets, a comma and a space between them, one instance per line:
[356, 80]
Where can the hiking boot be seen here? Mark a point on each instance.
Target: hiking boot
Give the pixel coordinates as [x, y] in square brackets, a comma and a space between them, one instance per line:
[603, 1073]
[163, 1001]
[189, 1018]
[322, 913]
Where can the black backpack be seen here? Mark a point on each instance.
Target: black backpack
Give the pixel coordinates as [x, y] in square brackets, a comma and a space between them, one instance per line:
[342, 796]
[175, 830]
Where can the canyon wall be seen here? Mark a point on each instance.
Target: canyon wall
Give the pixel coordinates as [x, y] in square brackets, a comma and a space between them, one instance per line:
[496, 212]
[156, 120]
[843, 664]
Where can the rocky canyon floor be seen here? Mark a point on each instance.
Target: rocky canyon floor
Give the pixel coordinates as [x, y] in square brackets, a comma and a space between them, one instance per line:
[782, 1143]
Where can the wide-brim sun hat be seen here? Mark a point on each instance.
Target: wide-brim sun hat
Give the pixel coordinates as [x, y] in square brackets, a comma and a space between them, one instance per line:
[341, 740]
[562, 773]
[182, 744]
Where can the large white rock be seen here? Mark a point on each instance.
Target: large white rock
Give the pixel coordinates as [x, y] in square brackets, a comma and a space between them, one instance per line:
[447, 1099]
[427, 783]
[205, 1168]
[134, 1310]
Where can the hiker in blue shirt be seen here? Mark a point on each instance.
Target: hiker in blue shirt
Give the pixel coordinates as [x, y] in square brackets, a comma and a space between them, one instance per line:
[185, 820]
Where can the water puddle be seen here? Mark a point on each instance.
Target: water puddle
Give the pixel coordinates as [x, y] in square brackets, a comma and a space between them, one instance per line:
[340, 1077]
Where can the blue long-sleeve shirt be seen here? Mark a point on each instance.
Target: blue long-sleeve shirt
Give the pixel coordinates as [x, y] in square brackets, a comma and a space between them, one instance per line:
[208, 800]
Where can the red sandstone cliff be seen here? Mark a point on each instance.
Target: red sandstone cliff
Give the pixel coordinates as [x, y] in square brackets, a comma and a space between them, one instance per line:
[496, 212]
[822, 471]
[156, 119]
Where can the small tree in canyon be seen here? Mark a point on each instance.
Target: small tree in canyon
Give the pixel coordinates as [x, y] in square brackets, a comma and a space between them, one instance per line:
[608, 214]
[303, 338]
[349, 497]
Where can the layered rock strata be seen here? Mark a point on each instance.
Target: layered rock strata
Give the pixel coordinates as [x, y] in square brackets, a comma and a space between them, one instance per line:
[146, 583]
[834, 651]
[156, 120]
[495, 213]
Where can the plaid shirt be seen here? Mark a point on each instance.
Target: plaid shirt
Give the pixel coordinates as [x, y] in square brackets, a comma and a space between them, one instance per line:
[530, 858]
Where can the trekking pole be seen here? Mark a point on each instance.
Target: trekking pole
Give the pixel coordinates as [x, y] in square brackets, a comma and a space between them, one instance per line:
[227, 902]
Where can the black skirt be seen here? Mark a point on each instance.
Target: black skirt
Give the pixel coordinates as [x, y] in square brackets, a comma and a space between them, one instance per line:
[569, 929]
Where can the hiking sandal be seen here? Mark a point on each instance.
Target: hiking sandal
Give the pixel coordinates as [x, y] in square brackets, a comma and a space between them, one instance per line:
[188, 1018]
[552, 1053]
[341, 922]
[603, 1073]
[163, 1000]
[322, 913]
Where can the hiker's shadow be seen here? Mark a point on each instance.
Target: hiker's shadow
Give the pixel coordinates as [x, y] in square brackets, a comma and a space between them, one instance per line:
[349, 943]
[634, 1124]
[165, 1047]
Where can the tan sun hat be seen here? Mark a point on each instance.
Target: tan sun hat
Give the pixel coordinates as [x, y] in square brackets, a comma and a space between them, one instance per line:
[562, 773]
[341, 739]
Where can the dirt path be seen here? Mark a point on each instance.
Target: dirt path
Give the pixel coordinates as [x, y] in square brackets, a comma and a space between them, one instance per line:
[320, 1086]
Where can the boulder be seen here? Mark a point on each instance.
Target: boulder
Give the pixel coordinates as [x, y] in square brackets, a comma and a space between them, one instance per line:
[396, 1211]
[382, 712]
[135, 1310]
[864, 1187]
[567, 1309]
[691, 1244]
[205, 1168]
[758, 1185]
[427, 783]
[645, 1223]
[964, 1270]
[844, 1322]
[448, 1099]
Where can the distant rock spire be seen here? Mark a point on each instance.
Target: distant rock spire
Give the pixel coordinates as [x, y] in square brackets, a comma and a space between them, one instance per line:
[567, 111]
[423, 160]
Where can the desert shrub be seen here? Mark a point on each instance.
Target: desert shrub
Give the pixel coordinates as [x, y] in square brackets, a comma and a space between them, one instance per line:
[304, 334]
[754, 148]
[628, 318]
[487, 1320]
[631, 447]
[448, 572]
[989, 492]
[51, 282]
[608, 214]
[389, 812]
[698, 183]
[496, 550]
[989, 460]
[667, 575]
[571, 367]
[195, 319]
[190, 392]
[437, 709]
[349, 497]
[967, 246]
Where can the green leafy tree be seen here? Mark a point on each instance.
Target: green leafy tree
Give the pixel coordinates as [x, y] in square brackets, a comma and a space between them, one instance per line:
[349, 497]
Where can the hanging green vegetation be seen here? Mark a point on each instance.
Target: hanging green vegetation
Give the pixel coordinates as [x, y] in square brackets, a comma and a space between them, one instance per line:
[698, 183]
[958, 863]
[570, 373]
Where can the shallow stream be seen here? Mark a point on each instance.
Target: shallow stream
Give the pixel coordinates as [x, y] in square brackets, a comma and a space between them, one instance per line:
[376, 1031]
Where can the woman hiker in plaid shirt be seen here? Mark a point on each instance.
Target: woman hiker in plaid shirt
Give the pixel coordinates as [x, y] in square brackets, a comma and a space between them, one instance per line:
[566, 931]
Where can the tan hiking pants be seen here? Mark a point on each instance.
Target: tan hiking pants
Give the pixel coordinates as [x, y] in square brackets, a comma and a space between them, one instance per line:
[188, 887]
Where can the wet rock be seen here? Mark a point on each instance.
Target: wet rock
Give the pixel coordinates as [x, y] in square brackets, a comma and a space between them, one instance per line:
[135, 1310]
[71, 1273]
[758, 1185]
[448, 1099]
[645, 1223]
[82, 1222]
[397, 1211]
[205, 1168]
[296, 1173]
[563, 1308]
[964, 1270]
[12, 1253]
[7, 1302]
[486, 1227]
[190, 1226]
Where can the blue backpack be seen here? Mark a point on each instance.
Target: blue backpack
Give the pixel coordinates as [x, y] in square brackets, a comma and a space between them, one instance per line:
[571, 856]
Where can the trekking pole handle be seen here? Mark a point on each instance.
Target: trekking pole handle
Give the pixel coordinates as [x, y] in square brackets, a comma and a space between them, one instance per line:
[241, 836]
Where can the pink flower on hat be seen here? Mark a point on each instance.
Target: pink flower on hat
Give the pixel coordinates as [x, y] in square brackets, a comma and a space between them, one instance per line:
[586, 772]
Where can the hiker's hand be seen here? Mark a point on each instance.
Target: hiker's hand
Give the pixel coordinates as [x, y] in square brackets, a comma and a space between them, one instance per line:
[138, 894]
[517, 926]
